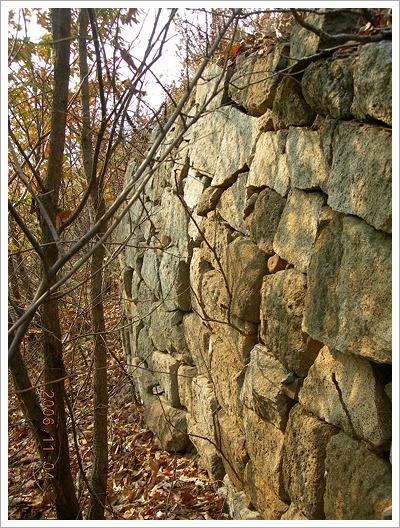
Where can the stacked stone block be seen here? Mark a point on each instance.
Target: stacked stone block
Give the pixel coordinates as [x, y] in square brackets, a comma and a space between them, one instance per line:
[257, 284]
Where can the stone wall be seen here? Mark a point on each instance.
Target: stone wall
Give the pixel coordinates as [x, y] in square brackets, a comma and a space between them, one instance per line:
[257, 283]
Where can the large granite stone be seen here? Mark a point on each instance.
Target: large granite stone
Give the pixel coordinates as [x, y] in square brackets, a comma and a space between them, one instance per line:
[175, 221]
[269, 166]
[263, 222]
[358, 482]
[305, 43]
[259, 492]
[264, 444]
[306, 438]
[165, 368]
[360, 181]
[282, 306]
[237, 502]
[328, 87]
[204, 406]
[167, 333]
[298, 112]
[245, 266]
[197, 337]
[297, 230]
[305, 159]
[167, 423]
[232, 203]
[175, 281]
[343, 390]
[186, 374]
[349, 296]
[217, 235]
[225, 130]
[212, 89]
[232, 443]
[253, 85]
[372, 83]
[262, 389]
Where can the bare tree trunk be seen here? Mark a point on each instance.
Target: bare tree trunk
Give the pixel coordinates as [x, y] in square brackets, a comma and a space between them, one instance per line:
[100, 398]
[66, 503]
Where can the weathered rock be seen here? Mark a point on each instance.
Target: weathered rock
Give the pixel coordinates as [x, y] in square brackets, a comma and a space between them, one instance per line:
[293, 514]
[167, 333]
[305, 159]
[265, 123]
[263, 222]
[197, 337]
[149, 270]
[261, 495]
[212, 88]
[144, 346]
[224, 369]
[262, 389]
[304, 43]
[208, 200]
[231, 442]
[282, 306]
[144, 380]
[175, 281]
[232, 202]
[264, 444]
[175, 221]
[304, 461]
[172, 433]
[269, 167]
[254, 82]
[218, 234]
[343, 390]
[165, 369]
[298, 112]
[127, 274]
[227, 130]
[237, 502]
[210, 459]
[204, 406]
[328, 87]
[360, 181]
[358, 482]
[245, 265]
[194, 185]
[142, 300]
[372, 82]
[276, 263]
[240, 336]
[297, 230]
[348, 303]
[185, 377]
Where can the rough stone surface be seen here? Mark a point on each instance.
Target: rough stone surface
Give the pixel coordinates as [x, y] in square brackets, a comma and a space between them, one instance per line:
[231, 441]
[358, 482]
[167, 333]
[305, 159]
[298, 112]
[343, 390]
[245, 267]
[254, 83]
[259, 491]
[212, 87]
[175, 222]
[204, 406]
[185, 377]
[210, 459]
[197, 337]
[348, 303]
[175, 282]
[228, 130]
[282, 306]
[165, 369]
[237, 502]
[218, 235]
[149, 271]
[360, 181]
[276, 263]
[144, 380]
[372, 83]
[304, 461]
[269, 166]
[304, 43]
[328, 87]
[172, 437]
[264, 444]
[293, 514]
[263, 222]
[297, 229]
[262, 389]
[208, 200]
[232, 202]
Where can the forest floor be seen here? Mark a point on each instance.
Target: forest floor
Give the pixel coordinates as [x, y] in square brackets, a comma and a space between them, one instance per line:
[144, 482]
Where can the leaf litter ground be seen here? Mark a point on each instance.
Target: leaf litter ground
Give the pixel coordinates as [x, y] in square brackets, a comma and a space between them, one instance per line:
[144, 481]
